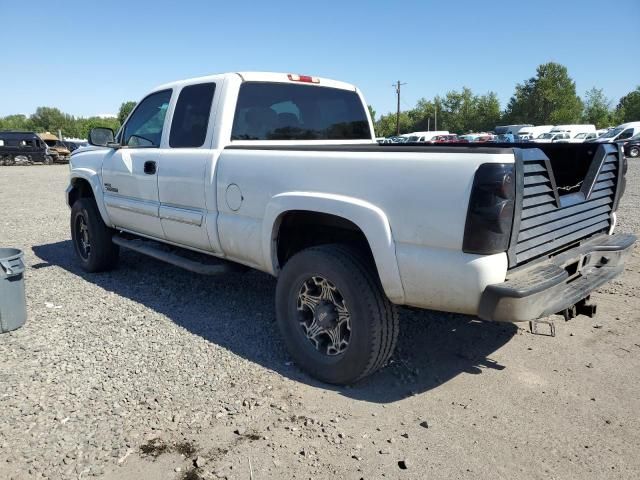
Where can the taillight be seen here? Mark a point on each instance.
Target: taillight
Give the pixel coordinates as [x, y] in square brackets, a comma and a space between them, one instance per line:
[491, 206]
[302, 78]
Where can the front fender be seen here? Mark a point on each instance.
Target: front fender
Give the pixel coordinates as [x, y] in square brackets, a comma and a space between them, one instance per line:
[93, 179]
[370, 219]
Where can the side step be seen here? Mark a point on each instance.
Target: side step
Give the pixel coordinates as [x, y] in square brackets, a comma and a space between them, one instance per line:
[169, 254]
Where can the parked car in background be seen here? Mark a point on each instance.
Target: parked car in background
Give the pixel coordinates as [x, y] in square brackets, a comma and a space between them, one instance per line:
[579, 138]
[59, 152]
[510, 129]
[484, 138]
[621, 132]
[552, 137]
[424, 137]
[23, 147]
[631, 147]
[450, 138]
[573, 129]
[503, 138]
[73, 145]
[529, 133]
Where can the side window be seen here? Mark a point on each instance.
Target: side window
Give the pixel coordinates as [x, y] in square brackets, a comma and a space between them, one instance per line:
[144, 128]
[191, 116]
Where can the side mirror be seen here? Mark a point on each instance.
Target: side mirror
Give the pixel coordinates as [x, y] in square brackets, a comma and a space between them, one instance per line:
[101, 137]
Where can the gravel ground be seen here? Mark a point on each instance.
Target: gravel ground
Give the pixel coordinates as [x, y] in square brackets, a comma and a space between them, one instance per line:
[150, 372]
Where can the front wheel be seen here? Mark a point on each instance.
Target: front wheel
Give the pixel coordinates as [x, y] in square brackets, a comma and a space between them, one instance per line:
[634, 152]
[336, 321]
[92, 238]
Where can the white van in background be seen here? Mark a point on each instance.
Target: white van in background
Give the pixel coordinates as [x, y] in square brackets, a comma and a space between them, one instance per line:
[573, 130]
[621, 132]
[530, 133]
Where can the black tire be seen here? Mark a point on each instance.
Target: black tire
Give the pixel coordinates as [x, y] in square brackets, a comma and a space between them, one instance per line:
[634, 152]
[373, 318]
[102, 253]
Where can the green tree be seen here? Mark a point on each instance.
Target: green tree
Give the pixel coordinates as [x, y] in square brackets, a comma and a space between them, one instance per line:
[487, 112]
[125, 110]
[386, 124]
[15, 122]
[597, 109]
[548, 98]
[49, 119]
[86, 124]
[628, 109]
[421, 117]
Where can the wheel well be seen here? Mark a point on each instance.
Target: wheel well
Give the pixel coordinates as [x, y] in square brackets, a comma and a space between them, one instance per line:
[81, 189]
[300, 229]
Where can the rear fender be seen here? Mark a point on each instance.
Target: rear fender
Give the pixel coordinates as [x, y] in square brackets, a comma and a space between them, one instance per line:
[370, 219]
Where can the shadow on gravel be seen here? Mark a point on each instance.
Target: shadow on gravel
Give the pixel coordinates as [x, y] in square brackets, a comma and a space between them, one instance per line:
[236, 312]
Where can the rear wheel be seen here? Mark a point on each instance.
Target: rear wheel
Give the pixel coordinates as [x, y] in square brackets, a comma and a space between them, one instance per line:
[634, 152]
[92, 238]
[335, 319]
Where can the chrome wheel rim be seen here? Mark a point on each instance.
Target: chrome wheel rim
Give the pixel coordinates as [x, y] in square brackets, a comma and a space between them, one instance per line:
[634, 152]
[323, 316]
[82, 237]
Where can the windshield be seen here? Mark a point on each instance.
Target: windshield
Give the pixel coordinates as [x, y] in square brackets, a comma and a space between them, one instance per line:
[580, 135]
[546, 135]
[412, 138]
[612, 133]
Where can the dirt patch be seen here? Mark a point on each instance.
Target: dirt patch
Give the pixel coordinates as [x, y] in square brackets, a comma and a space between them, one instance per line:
[154, 448]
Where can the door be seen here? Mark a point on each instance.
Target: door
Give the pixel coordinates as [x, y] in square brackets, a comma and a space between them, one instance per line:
[130, 181]
[184, 165]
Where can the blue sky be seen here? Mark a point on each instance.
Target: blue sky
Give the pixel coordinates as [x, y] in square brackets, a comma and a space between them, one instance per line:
[88, 57]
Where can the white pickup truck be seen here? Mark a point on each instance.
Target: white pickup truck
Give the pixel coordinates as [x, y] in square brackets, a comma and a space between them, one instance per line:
[281, 173]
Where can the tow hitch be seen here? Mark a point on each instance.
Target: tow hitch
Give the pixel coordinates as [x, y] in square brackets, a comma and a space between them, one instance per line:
[583, 307]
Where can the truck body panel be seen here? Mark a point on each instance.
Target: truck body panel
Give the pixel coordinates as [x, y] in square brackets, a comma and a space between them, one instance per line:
[228, 195]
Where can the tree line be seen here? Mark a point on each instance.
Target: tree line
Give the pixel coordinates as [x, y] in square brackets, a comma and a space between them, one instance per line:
[548, 98]
[50, 119]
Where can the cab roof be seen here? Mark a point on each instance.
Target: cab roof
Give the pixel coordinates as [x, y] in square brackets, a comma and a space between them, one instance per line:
[258, 77]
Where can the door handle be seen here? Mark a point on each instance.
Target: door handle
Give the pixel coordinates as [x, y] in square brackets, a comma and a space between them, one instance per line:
[150, 167]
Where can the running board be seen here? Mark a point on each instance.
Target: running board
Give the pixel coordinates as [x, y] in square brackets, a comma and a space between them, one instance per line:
[158, 251]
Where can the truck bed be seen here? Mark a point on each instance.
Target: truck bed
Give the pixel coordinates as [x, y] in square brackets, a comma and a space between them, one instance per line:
[565, 192]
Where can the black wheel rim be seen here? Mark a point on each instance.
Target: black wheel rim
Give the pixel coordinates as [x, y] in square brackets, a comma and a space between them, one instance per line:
[323, 316]
[83, 241]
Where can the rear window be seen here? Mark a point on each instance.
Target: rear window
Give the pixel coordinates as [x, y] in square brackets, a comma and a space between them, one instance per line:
[282, 111]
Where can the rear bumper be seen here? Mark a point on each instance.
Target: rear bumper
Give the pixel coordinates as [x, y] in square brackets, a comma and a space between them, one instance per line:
[551, 286]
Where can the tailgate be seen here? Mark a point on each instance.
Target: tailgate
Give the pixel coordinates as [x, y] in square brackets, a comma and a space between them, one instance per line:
[565, 194]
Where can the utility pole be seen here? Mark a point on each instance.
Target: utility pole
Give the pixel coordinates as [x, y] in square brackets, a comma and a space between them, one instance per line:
[436, 119]
[398, 85]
